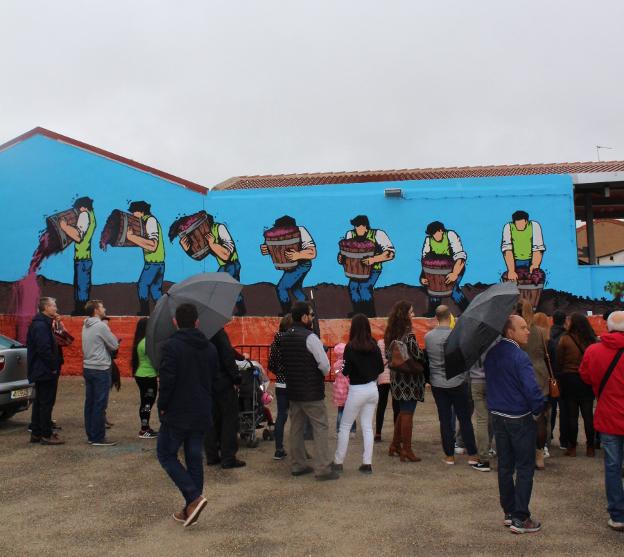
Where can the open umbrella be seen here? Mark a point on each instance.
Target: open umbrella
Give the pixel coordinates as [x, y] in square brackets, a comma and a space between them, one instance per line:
[214, 295]
[479, 326]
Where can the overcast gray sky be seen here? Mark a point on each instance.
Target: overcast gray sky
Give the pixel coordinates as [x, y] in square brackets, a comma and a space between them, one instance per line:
[213, 89]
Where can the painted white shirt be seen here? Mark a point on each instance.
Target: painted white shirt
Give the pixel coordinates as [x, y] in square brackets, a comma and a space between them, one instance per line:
[381, 238]
[83, 223]
[225, 239]
[151, 228]
[538, 240]
[306, 239]
[455, 242]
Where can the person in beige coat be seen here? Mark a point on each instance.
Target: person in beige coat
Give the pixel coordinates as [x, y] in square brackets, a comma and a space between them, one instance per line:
[536, 350]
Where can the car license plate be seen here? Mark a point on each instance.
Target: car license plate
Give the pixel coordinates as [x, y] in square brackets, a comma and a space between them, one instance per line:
[21, 393]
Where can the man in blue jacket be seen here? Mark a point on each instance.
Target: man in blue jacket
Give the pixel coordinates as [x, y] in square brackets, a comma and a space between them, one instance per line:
[44, 365]
[187, 369]
[514, 400]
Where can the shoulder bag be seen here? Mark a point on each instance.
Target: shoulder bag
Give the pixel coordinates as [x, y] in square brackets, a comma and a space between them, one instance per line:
[401, 359]
[553, 384]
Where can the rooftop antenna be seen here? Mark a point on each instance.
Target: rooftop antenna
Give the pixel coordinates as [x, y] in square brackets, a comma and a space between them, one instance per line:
[598, 147]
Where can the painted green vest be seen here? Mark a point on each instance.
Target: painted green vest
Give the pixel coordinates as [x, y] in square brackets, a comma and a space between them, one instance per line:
[158, 255]
[522, 241]
[214, 230]
[82, 249]
[443, 247]
[370, 235]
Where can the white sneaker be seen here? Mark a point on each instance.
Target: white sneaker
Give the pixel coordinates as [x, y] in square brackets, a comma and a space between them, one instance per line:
[492, 453]
[459, 450]
[546, 453]
[619, 526]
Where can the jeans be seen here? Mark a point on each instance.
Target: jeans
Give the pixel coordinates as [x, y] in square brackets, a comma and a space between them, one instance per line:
[458, 398]
[97, 387]
[221, 442]
[362, 291]
[483, 437]
[292, 281]
[613, 446]
[281, 394]
[232, 268]
[339, 420]
[45, 394]
[150, 281]
[384, 391]
[361, 402]
[407, 406]
[189, 480]
[570, 413]
[515, 446]
[82, 279]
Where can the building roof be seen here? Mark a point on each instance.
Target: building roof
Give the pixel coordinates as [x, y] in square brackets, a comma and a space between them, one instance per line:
[327, 178]
[608, 235]
[107, 154]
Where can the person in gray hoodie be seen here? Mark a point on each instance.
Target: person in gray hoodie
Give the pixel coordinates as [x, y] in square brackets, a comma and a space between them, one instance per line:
[97, 344]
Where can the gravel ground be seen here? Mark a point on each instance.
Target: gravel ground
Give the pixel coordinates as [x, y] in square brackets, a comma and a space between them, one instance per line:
[78, 500]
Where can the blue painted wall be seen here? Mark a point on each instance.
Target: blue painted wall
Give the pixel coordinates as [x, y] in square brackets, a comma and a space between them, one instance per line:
[41, 176]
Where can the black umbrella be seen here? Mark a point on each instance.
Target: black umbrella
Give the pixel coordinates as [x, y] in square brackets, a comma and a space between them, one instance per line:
[478, 327]
[214, 295]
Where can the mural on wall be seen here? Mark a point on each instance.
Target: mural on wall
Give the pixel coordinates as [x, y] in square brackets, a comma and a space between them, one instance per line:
[523, 250]
[443, 266]
[293, 259]
[292, 250]
[362, 253]
[139, 228]
[200, 236]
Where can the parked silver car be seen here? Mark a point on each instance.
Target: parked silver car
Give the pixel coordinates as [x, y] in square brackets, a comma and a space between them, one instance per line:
[16, 393]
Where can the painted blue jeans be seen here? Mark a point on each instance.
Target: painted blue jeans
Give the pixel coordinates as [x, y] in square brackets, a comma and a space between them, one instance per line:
[150, 281]
[292, 281]
[233, 269]
[362, 291]
[82, 279]
[613, 447]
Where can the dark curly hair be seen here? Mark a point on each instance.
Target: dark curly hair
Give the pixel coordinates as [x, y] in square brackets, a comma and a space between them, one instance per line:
[399, 322]
[582, 329]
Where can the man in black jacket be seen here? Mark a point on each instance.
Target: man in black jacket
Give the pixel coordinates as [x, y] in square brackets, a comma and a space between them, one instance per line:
[220, 442]
[305, 367]
[188, 366]
[44, 366]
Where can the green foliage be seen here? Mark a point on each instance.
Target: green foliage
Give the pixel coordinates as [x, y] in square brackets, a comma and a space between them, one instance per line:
[615, 288]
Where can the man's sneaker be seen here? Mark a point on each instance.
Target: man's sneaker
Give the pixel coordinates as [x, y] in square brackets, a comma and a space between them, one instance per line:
[280, 454]
[546, 452]
[303, 471]
[329, 476]
[459, 450]
[449, 460]
[473, 459]
[233, 464]
[35, 438]
[193, 510]
[492, 453]
[180, 516]
[482, 466]
[147, 434]
[508, 520]
[528, 526]
[619, 526]
[54, 439]
[104, 443]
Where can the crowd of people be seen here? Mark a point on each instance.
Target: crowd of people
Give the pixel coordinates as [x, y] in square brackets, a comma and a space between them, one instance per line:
[515, 390]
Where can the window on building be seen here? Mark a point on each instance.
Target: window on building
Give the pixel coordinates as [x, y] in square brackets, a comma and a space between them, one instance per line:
[599, 213]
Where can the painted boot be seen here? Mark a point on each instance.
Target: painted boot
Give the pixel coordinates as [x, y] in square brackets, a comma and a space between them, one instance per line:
[144, 307]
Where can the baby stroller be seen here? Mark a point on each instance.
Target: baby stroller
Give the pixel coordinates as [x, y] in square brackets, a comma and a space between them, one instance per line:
[252, 397]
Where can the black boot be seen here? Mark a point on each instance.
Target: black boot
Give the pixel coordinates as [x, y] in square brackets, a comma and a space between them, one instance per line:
[78, 308]
[368, 308]
[144, 307]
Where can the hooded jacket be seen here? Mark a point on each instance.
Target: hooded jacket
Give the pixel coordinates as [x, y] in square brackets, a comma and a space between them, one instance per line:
[609, 414]
[97, 344]
[43, 355]
[188, 367]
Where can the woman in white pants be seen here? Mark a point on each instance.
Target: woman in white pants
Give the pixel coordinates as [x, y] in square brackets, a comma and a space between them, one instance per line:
[362, 365]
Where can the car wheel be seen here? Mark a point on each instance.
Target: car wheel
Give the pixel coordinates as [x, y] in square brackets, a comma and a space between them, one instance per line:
[6, 415]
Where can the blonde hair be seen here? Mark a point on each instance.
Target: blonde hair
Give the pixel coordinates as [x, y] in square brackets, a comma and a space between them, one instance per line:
[525, 310]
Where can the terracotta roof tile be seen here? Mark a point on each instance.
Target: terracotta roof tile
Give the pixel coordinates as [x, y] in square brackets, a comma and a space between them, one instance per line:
[327, 178]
